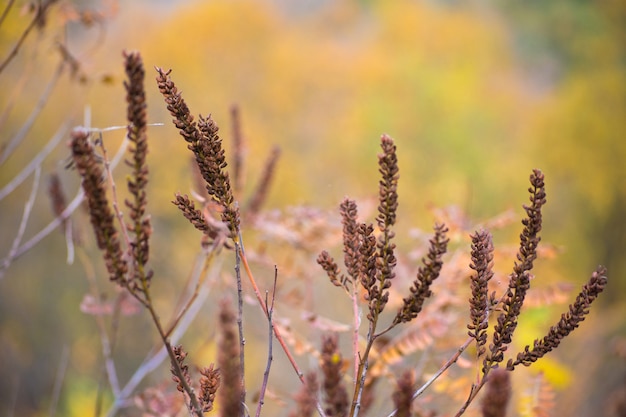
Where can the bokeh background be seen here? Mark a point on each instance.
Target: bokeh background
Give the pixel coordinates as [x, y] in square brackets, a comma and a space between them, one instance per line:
[475, 94]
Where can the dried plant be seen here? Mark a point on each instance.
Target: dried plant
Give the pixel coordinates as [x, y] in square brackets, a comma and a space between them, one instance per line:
[231, 394]
[497, 395]
[482, 263]
[372, 265]
[336, 395]
[569, 321]
[209, 383]
[403, 395]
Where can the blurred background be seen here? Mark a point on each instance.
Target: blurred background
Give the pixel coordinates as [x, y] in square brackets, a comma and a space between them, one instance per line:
[476, 94]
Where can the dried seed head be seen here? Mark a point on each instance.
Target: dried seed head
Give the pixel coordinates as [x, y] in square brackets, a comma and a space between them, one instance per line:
[426, 274]
[482, 262]
[569, 321]
[335, 392]
[498, 393]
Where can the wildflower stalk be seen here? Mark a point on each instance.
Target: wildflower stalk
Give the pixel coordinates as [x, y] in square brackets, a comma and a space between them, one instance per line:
[568, 322]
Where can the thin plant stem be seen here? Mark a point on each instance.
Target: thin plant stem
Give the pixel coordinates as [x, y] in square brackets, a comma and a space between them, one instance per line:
[6, 10]
[242, 339]
[41, 11]
[270, 356]
[32, 117]
[362, 370]
[107, 347]
[69, 242]
[440, 372]
[35, 162]
[356, 315]
[58, 381]
[28, 207]
[208, 259]
[255, 287]
[114, 201]
[154, 360]
[195, 407]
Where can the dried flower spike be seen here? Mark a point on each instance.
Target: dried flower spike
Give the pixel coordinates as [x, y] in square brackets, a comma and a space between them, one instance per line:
[259, 196]
[351, 238]
[335, 392]
[387, 207]
[330, 266]
[138, 181]
[519, 281]
[569, 321]
[482, 263]
[376, 296]
[57, 197]
[388, 185]
[420, 290]
[403, 394]
[206, 145]
[498, 393]
[100, 213]
[228, 361]
[209, 383]
[306, 399]
[180, 356]
[183, 119]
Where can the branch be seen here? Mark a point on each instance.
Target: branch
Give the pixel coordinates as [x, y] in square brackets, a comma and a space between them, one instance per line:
[270, 357]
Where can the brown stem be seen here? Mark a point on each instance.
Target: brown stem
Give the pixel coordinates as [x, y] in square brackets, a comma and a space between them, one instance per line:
[257, 293]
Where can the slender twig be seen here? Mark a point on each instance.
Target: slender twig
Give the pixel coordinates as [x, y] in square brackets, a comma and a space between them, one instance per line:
[69, 242]
[39, 15]
[32, 117]
[440, 372]
[154, 360]
[107, 345]
[195, 407]
[208, 259]
[255, 287]
[356, 315]
[6, 10]
[35, 162]
[277, 334]
[28, 207]
[242, 339]
[58, 381]
[270, 356]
